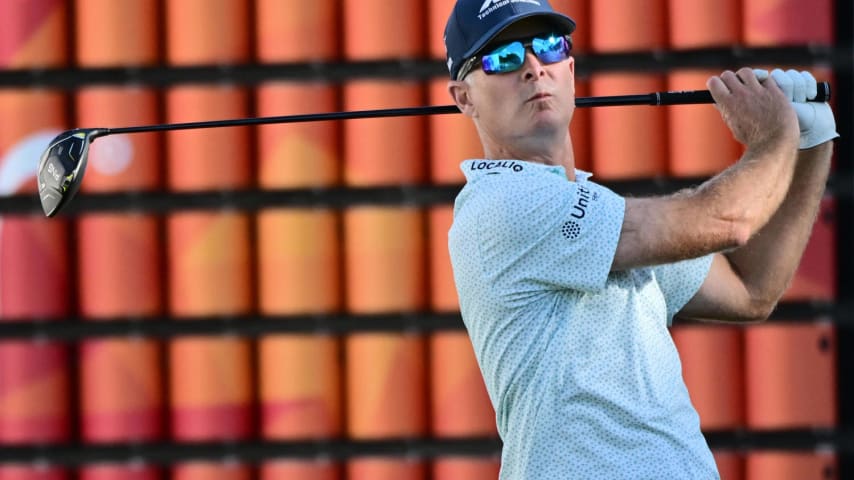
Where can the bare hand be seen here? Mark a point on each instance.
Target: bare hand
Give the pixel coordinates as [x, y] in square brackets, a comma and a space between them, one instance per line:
[758, 114]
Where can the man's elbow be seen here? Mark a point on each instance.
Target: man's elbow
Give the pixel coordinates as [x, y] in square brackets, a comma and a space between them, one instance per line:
[760, 309]
[729, 233]
[738, 224]
[740, 234]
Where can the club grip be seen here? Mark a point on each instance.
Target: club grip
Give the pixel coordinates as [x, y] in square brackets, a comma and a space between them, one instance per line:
[704, 96]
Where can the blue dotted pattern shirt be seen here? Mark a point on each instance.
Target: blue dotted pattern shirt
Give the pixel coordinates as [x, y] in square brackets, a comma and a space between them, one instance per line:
[578, 361]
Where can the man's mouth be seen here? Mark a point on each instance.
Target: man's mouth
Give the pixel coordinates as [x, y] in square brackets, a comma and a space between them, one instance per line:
[539, 96]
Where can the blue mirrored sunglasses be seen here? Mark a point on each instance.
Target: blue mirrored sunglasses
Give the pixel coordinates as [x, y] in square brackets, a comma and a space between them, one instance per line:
[510, 57]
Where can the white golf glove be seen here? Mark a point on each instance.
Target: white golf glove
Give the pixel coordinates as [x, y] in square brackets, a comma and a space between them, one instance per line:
[815, 119]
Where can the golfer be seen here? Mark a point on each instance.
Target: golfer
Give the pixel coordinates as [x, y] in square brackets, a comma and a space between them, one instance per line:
[568, 289]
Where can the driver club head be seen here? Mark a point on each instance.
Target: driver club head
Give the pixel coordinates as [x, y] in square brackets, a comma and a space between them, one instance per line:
[62, 166]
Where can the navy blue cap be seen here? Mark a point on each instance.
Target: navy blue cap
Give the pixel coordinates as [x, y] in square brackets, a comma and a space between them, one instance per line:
[474, 23]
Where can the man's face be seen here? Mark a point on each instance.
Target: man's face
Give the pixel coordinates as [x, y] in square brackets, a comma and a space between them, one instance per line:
[535, 101]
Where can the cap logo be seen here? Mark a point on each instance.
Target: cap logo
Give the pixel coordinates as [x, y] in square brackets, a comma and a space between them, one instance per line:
[490, 6]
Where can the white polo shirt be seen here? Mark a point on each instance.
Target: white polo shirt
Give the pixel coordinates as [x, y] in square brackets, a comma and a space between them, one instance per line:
[577, 360]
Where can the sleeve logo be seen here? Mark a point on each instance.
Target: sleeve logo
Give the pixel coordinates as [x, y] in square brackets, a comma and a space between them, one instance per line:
[570, 230]
[579, 210]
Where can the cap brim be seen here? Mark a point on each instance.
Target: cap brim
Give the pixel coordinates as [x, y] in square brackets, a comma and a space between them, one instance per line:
[562, 21]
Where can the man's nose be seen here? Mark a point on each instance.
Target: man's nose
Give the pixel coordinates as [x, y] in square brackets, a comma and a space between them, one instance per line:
[533, 67]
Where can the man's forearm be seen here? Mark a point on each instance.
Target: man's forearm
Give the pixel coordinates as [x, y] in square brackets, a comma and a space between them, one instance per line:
[722, 213]
[749, 193]
[768, 261]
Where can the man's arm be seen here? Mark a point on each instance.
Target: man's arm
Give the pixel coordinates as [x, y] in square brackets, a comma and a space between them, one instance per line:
[759, 212]
[728, 210]
[745, 284]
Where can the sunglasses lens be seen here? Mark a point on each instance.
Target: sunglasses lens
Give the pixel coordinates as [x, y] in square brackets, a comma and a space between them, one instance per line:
[552, 49]
[511, 57]
[503, 59]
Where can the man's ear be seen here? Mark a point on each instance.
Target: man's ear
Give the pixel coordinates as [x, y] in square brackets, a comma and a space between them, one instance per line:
[461, 94]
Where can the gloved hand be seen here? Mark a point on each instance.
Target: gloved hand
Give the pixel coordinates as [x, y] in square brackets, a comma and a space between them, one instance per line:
[815, 119]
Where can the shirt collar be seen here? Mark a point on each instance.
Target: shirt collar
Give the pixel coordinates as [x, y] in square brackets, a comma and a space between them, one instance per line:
[476, 168]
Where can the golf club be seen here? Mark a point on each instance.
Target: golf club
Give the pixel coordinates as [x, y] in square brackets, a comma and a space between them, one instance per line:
[62, 165]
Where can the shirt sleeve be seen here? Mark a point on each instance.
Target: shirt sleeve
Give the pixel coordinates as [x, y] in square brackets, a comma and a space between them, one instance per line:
[680, 281]
[551, 233]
